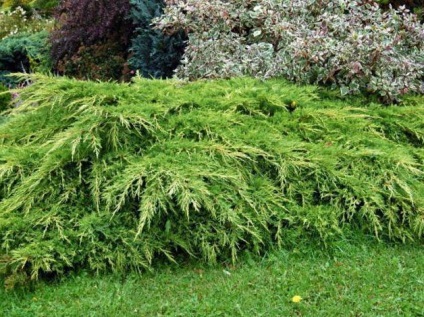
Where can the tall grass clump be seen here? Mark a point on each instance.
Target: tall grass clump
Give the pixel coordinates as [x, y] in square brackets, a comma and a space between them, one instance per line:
[110, 177]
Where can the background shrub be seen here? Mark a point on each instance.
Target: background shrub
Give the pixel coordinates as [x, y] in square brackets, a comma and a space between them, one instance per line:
[24, 53]
[45, 7]
[102, 61]
[13, 4]
[83, 23]
[23, 40]
[98, 47]
[106, 176]
[416, 6]
[37, 7]
[153, 53]
[20, 21]
[351, 45]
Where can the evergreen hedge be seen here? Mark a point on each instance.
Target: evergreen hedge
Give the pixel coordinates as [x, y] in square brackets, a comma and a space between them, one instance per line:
[110, 177]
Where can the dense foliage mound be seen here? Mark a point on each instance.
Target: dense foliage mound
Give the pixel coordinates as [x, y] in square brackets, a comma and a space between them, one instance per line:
[351, 45]
[111, 176]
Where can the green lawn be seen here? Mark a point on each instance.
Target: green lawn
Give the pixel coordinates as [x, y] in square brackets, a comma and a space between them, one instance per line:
[355, 279]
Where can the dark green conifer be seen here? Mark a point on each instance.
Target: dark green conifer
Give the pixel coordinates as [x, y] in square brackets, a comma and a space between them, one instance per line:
[154, 54]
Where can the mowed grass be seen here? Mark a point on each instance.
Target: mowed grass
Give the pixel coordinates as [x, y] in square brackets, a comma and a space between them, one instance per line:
[354, 279]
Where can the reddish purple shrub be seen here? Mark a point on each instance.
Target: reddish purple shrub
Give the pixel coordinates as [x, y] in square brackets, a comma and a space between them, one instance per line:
[83, 23]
